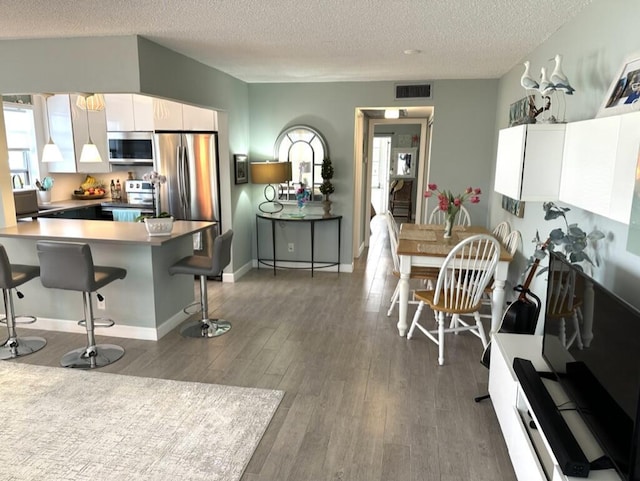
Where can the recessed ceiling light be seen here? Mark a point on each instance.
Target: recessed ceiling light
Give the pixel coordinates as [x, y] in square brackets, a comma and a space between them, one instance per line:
[412, 51]
[392, 114]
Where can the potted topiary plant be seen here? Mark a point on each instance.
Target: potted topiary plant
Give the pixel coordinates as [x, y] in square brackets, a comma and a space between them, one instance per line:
[326, 188]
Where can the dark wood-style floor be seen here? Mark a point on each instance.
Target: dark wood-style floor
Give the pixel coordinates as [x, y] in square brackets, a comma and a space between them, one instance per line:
[361, 403]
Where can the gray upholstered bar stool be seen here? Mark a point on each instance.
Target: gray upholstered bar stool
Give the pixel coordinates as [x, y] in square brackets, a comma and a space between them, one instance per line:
[69, 266]
[204, 266]
[11, 277]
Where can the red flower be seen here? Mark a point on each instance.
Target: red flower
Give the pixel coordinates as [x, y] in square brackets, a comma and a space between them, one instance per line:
[451, 203]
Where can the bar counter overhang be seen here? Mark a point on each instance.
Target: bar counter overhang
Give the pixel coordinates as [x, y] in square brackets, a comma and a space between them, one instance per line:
[147, 304]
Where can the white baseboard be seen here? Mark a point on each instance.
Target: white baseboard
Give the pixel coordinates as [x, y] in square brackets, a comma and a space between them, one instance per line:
[117, 330]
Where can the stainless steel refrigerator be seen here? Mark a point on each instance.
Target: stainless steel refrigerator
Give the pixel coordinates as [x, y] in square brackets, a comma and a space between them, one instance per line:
[192, 191]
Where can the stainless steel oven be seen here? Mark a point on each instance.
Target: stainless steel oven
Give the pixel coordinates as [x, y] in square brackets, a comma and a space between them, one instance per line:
[130, 148]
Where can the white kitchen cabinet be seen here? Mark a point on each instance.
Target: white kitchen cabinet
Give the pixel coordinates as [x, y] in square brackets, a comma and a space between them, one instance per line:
[197, 118]
[133, 112]
[129, 113]
[119, 112]
[69, 132]
[599, 165]
[143, 113]
[167, 115]
[529, 161]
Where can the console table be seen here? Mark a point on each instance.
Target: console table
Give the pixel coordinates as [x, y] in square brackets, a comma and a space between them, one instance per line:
[311, 220]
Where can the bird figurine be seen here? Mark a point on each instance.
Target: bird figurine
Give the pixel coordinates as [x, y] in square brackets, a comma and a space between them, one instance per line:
[527, 81]
[545, 86]
[559, 79]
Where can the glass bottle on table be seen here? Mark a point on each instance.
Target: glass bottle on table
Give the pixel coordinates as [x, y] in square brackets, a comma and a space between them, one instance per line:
[118, 190]
[112, 188]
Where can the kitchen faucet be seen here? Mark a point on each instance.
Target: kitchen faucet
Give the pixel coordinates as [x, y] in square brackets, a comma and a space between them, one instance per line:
[13, 181]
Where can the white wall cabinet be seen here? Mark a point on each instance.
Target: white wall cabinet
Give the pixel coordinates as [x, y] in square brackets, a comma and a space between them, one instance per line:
[529, 162]
[69, 131]
[599, 165]
[197, 118]
[133, 112]
[129, 113]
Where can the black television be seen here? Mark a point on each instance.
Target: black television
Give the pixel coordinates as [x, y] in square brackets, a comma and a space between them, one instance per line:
[599, 368]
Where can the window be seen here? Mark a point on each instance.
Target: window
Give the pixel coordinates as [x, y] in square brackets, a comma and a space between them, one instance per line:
[21, 143]
[305, 148]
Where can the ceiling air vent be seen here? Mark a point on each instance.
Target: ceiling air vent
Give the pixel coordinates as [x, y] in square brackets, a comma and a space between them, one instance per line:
[414, 91]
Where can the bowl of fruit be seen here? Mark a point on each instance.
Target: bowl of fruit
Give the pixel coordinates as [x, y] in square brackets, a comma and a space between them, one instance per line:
[91, 188]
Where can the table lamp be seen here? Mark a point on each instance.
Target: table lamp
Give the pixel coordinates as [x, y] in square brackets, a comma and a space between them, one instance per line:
[270, 173]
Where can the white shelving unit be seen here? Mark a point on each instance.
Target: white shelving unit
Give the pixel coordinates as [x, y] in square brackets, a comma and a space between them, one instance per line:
[529, 450]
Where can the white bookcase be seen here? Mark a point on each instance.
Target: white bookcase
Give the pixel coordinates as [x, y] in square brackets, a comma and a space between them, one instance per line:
[529, 450]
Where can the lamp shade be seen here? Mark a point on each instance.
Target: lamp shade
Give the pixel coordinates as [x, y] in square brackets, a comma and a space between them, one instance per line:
[90, 153]
[270, 172]
[51, 152]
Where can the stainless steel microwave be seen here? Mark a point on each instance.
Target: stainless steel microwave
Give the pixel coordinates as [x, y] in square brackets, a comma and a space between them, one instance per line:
[130, 148]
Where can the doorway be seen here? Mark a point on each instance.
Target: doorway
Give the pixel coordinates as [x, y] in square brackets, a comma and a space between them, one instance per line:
[366, 121]
[380, 156]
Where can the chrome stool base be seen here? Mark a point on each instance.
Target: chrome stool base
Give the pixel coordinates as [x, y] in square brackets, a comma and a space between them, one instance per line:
[91, 357]
[208, 328]
[21, 346]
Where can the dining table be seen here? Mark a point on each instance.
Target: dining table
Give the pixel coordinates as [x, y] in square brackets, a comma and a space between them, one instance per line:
[425, 245]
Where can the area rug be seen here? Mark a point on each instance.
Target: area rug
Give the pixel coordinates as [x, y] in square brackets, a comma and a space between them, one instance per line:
[67, 425]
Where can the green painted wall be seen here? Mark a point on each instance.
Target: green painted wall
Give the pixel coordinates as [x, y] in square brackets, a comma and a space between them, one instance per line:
[464, 113]
[89, 64]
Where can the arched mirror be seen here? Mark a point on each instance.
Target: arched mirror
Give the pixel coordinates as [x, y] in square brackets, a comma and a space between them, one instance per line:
[305, 148]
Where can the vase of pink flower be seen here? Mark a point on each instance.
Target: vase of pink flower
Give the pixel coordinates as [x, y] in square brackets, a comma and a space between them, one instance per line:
[450, 203]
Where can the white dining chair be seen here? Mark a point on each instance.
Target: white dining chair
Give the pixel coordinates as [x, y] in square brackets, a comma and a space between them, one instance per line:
[501, 231]
[511, 244]
[427, 275]
[439, 217]
[465, 273]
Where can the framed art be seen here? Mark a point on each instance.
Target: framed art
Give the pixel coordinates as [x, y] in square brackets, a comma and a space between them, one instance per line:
[623, 95]
[241, 168]
[523, 111]
[513, 206]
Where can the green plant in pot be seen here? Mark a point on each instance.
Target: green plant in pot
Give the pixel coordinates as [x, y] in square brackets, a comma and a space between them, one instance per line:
[326, 188]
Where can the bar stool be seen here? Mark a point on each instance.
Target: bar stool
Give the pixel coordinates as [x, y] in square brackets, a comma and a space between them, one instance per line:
[12, 276]
[206, 266]
[69, 266]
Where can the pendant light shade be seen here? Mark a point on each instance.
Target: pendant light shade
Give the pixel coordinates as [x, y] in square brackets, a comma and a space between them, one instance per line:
[90, 153]
[51, 152]
[89, 150]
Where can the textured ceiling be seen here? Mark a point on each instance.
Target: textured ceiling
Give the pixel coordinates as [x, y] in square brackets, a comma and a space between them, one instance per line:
[313, 40]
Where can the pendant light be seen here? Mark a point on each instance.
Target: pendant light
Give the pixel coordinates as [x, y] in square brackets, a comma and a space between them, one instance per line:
[89, 150]
[51, 152]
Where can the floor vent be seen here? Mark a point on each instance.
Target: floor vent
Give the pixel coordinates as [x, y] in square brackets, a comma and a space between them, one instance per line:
[415, 91]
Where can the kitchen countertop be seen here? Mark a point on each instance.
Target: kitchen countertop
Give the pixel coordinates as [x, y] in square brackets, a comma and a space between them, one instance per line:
[63, 205]
[78, 230]
[72, 204]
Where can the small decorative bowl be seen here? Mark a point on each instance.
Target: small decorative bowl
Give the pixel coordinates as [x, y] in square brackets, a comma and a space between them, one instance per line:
[159, 226]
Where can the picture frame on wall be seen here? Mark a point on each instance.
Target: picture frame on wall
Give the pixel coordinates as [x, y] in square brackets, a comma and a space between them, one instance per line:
[513, 206]
[623, 95]
[241, 168]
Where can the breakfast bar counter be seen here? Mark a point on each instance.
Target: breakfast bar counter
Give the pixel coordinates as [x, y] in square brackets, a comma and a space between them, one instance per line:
[146, 304]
